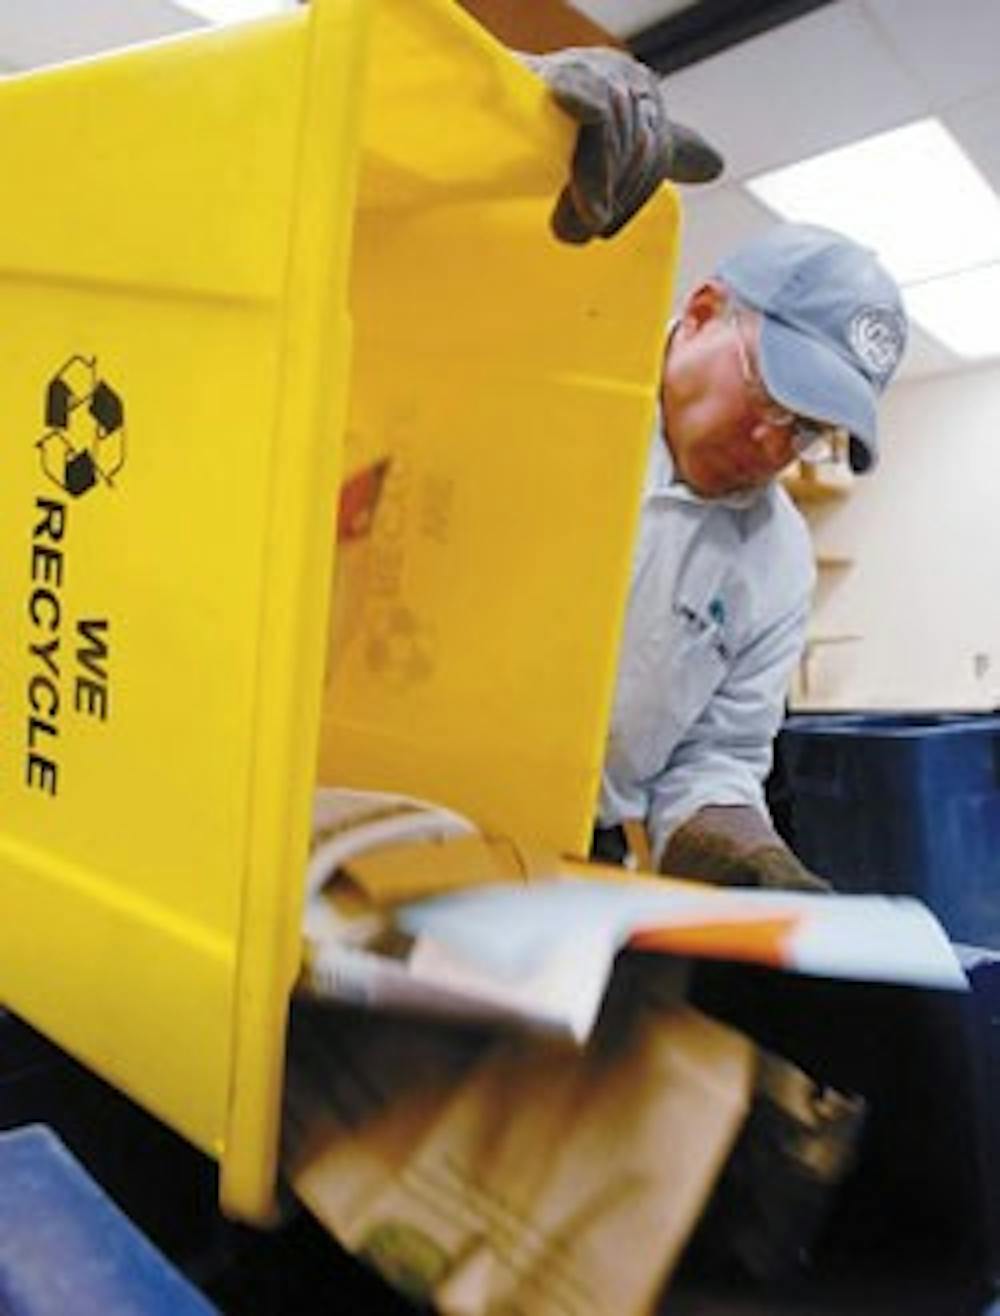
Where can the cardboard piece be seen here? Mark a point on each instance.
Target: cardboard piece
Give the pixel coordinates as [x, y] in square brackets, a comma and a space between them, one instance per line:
[487, 1176]
[400, 873]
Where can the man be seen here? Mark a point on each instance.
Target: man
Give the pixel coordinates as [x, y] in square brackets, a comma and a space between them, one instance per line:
[785, 350]
[780, 356]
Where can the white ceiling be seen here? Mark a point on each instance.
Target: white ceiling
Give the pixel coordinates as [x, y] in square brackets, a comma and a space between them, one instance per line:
[624, 20]
[46, 31]
[844, 71]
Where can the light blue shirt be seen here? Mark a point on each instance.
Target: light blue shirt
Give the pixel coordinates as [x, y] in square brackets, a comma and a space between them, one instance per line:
[715, 624]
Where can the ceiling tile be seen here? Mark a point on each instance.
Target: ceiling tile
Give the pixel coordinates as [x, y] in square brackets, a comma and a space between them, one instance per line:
[818, 82]
[626, 20]
[48, 31]
[949, 46]
[926, 356]
[716, 220]
[976, 125]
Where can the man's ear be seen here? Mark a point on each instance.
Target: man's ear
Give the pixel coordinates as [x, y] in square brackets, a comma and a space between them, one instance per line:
[705, 303]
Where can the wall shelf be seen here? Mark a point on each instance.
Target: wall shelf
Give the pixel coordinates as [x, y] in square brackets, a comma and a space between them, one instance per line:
[833, 561]
[814, 489]
[807, 482]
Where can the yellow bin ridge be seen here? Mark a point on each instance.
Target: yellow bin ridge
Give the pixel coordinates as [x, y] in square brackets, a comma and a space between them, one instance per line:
[235, 266]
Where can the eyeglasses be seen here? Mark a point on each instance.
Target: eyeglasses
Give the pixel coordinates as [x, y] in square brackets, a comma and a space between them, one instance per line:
[815, 441]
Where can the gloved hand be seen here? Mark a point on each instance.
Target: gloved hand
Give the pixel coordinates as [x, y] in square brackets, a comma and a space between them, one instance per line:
[626, 145]
[732, 845]
[775, 868]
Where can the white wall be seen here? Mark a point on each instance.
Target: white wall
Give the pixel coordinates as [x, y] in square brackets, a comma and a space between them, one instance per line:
[923, 589]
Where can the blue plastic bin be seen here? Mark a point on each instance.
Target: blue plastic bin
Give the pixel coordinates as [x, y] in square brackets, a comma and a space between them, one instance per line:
[983, 1015]
[904, 804]
[66, 1249]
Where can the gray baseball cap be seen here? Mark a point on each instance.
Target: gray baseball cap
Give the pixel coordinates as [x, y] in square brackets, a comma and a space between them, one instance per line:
[833, 329]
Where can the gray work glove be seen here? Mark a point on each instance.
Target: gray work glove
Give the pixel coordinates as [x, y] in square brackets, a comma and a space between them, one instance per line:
[733, 845]
[626, 145]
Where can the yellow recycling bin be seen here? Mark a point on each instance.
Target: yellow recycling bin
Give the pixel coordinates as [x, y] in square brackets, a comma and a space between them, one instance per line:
[233, 267]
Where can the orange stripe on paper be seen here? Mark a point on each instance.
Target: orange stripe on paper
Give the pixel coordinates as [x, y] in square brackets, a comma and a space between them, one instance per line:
[763, 941]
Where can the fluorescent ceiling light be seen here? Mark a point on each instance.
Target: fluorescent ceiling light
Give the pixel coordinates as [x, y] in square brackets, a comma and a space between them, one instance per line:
[916, 198]
[235, 11]
[912, 194]
[960, 310]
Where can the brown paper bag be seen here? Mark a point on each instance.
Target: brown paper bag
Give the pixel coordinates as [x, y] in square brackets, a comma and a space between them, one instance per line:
[513, 1176]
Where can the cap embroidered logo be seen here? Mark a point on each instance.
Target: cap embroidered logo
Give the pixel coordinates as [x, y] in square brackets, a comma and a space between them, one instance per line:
[877, 335]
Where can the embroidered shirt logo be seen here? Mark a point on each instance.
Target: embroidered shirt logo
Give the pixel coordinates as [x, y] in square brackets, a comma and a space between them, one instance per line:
[707, 623]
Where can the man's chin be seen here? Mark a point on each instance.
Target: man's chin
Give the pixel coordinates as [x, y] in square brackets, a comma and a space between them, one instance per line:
[709, 474]
[719, 485]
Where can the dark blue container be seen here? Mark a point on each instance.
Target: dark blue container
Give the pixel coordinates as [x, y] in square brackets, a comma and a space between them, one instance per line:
[903, 804]
[983, 1025]
[66, 1249]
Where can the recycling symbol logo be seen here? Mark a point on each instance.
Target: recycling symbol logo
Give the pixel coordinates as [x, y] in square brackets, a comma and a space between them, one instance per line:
[84, 440]
[400, 649]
